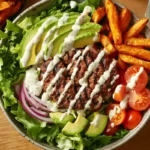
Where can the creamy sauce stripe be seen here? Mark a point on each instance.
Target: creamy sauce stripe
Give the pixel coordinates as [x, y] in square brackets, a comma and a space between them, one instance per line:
[75, 70]
[124, 102]
[24, 60]
[100, 82]
[61, 22]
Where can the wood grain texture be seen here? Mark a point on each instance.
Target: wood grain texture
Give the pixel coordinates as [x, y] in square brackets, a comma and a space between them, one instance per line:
[10, 139]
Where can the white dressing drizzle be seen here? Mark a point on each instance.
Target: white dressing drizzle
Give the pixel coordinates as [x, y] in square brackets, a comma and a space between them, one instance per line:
[68, 42]
[32, 82]
[40, 55]
[63, 19]
[118, 88]
[96, 120]
[124, 102]
[134, 79]
[77, 96]
[45, 95]
[103, 79]
[91, 68]
[96, 37]
[51, 66]
[61, 22]
[100, 82]
[75, 70]
[73, 59]
[113, 112]
[24, 60]
[114, 79]
[73, 4]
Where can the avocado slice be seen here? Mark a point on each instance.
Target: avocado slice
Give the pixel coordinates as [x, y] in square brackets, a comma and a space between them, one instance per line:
[83, 38]
[61, 118]
[29, 36]
[97, 126]
[32, 32]
[76, 127]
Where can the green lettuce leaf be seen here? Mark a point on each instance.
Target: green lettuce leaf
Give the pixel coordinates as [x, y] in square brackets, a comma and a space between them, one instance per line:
[68, 142]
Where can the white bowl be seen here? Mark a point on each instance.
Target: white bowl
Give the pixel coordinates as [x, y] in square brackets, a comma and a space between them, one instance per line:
[33, 10]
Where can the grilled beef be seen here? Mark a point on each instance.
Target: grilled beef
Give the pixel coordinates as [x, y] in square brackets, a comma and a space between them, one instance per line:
[106, 89]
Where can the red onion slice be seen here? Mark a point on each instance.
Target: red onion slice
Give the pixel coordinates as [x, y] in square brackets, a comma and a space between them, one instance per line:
[38, 99]
[39, 112]
[29, 111]
[32, 101]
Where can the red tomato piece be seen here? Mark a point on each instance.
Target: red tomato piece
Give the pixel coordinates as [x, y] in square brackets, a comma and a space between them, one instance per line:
[133, 118]
[118, 114]
[111, 130]
[142, 80]
[139, 100]
[119, 93]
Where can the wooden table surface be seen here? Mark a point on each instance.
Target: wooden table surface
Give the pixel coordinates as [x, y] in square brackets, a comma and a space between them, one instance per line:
[10, 139]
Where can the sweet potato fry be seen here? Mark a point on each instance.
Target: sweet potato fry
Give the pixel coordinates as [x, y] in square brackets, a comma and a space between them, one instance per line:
[125, 17]
[134, 51]
[107, 44]
[144, 42]
[134, 61]
[136, 28]
[4, 5]
[121, 64]
[113, 19]
[98, 14]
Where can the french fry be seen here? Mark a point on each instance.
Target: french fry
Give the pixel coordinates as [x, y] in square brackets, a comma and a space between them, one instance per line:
[125, 17]
[136, 28]
[134, 51]
[144, 42]
[98, 14]
[121, 64]
[107, 44]
[4, 5]
[134, 61]
[113, 19]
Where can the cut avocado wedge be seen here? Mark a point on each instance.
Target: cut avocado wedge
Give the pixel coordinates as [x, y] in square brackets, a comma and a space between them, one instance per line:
[97, 125]
[83, 38]
[76, 127]
[61, 118]
[58, 30]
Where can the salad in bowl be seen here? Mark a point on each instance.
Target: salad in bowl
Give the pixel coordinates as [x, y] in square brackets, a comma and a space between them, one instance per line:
[75, 75]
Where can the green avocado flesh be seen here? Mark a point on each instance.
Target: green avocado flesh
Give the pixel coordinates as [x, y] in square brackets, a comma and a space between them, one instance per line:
[76, 127]
[93, 130]
[56, 118]
[83, 38]
[59, 33]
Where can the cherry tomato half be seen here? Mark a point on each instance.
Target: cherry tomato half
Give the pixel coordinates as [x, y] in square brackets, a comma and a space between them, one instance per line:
[133, 118]
[118, 114]
[142, 79]
[111, 130]
[119, 93]
[139, 100]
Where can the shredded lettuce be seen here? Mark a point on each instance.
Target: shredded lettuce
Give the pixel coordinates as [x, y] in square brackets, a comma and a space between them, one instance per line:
[11, 73]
